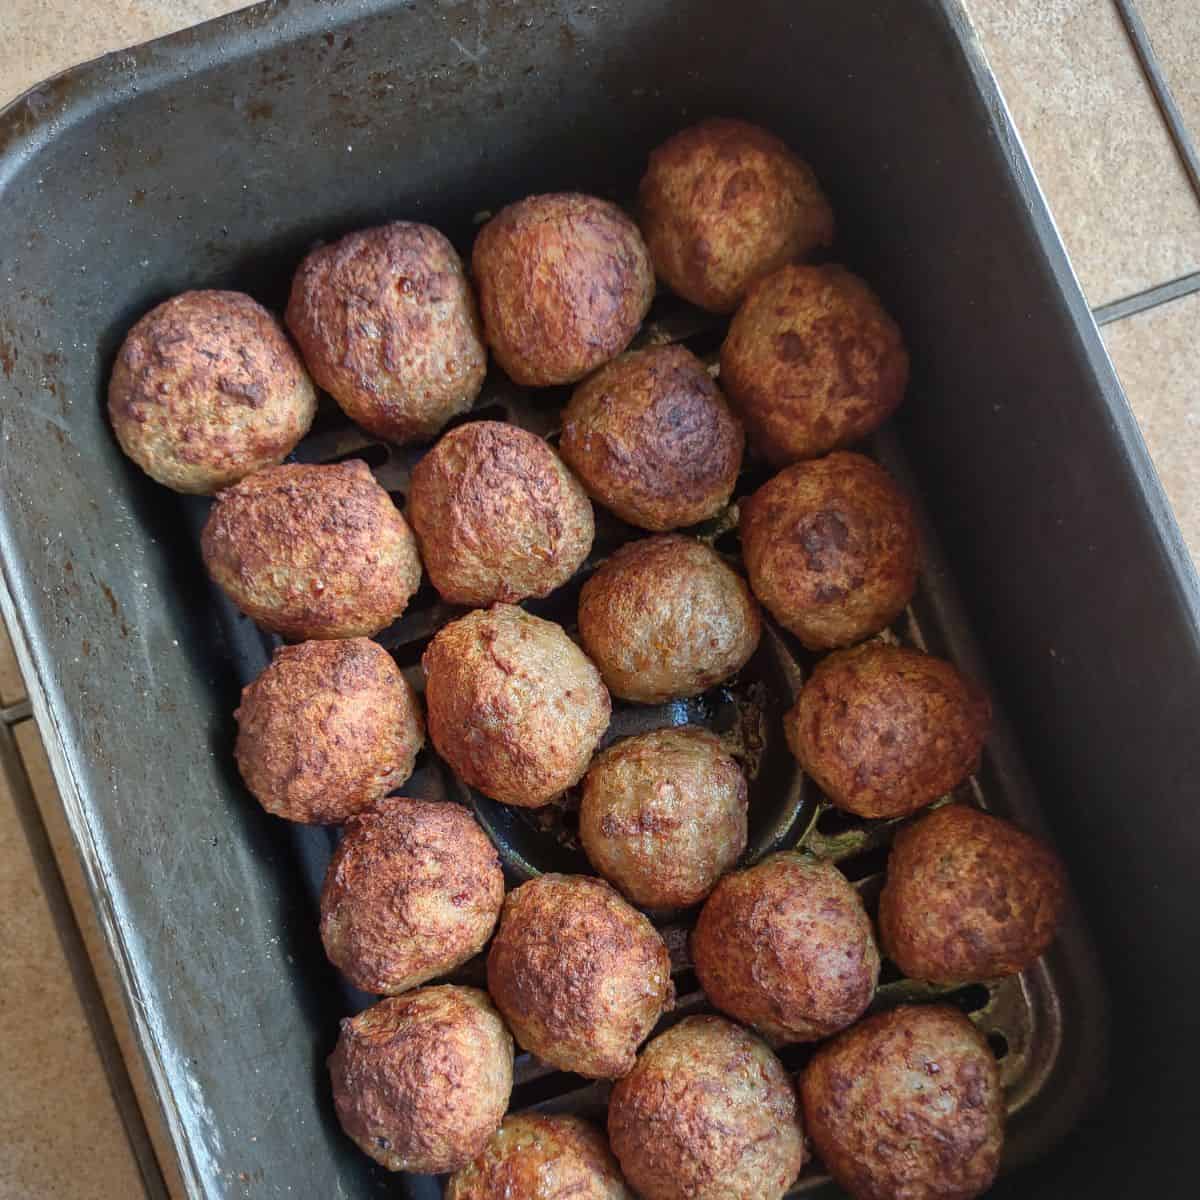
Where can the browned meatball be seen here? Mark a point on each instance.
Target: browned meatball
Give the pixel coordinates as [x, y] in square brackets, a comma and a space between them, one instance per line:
[666, 617]
[653, 439]
[421, 1081]
[312, 552]
[497, 515]
[812, 362]
[534, 1156]
[907, 1103]
[968, 898]
[580, 976]
[327, 729]
[787, 947]
[663, 816]
[206, 389]
[831, 548]
[564, 282]
[724, 203]
[885, 730]
[708, 1113]
[387, 323]
[414, 889]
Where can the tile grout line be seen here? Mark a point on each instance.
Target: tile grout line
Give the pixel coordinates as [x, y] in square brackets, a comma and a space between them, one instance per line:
[1139, 302]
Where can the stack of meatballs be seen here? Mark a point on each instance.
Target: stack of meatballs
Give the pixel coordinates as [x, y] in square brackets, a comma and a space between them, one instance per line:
[209, 395]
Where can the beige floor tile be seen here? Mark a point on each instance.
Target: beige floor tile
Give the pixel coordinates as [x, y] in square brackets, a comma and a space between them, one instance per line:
[1174, 28]
[12, 686]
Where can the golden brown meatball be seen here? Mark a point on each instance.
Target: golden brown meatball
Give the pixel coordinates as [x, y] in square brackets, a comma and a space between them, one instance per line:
[787, 947]
[564, 282]
[968, 898]
[388, 326]
[663, 816]
[414, 889]
[724, 203]
[312, 552]
[831, 548]
[708, 1113]
[206, 389]
[497, 515]
[812, 362]
[907, 1103]
[653, 439]
[327, 729]
[666, 617]
[885, 730]
[421, 1081]
[580, 976]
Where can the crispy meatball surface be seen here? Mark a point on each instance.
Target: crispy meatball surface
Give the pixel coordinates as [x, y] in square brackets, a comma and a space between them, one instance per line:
[665, 617]
[663, 816]
[414, 889]
[421, 1081]
[968, 897]
[388, 325]
[723, 204]
[206, 388]
[831, 548]
[787, 947]
[708, 1113]
[564, 282]
[497, 515]
[312, 552]
[580, 976]
[885, 730]
[327, 729]
[653, 439]
[907, 1103]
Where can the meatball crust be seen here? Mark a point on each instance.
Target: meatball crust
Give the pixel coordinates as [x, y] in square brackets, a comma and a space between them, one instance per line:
[414, 889]
[708, 1113]
[206, 389]
[907, 1103]
[580, 976]
[327, 729]
[312, 552]
[786, 946]
[388, 326]
[421, 1081]
[564, 282]
[724, 203]
[666, 617]
[497, 515]
[831, 548]
[968, 897]
[653, 439]
[663, 816]
[885, 730]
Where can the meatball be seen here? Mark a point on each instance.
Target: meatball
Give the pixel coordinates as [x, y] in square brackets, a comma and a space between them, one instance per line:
[564, 282]
[663, 816]
[312, 552]
[666, 617]
[421, 1081]
[724, 203]
[580, 976]
[885, 730]
[968, 898]
[497, 515]
[787, 947]
[708, 1113]
[327, 729]
[206, 389]
[907, 1103]
[540, 1157]
[653, 439]
[413, 891]
[831, 548]
[388, 325]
